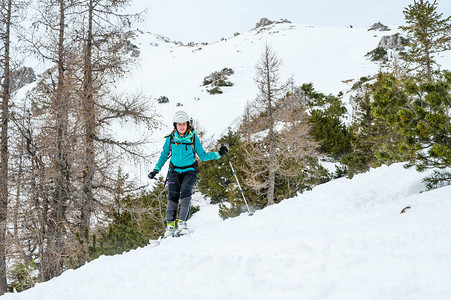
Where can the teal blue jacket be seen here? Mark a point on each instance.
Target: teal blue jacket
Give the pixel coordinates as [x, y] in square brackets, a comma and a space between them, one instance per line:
[182, 154]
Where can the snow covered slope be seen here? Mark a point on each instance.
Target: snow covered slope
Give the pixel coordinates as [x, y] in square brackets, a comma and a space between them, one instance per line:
[331, 58]
[328, 57]
[345, 239]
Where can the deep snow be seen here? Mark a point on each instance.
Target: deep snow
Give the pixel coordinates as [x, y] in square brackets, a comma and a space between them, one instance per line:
[345, 239]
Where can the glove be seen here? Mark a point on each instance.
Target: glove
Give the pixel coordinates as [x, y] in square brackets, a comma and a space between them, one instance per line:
[152, 174]
[223, 150]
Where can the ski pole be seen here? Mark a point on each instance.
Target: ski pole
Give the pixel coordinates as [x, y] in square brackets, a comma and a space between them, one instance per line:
[239, 186]
[165, 181]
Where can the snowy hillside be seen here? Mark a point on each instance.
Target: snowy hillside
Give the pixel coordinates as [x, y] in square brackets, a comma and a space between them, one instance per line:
[331, 58]
[328, 57]
[346, 239]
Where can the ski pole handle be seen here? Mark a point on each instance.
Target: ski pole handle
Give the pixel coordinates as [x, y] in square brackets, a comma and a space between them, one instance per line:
[228, 159]
[226, 154]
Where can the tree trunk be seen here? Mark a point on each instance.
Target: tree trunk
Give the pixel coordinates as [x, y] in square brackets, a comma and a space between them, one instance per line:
[4, 152]
[89, 124]
[428, 64]
[272, 155]
[56, 232]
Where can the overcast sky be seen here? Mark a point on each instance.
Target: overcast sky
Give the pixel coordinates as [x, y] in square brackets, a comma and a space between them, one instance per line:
[210, 20]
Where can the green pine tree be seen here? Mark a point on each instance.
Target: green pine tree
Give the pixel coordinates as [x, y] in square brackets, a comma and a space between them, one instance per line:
[217, 182]
[326, 122]
[215, 177]
[374, 141]
[429, 33]
[405, 115]
[425, 122]
[135, 220]
[418, 116]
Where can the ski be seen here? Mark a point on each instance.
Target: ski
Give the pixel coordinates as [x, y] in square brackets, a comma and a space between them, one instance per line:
[157, 242]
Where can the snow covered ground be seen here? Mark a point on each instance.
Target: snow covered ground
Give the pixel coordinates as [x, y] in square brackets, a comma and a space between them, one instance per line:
[345, 239]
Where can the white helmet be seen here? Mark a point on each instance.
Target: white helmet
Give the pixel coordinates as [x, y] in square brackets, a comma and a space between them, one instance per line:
[180, 117]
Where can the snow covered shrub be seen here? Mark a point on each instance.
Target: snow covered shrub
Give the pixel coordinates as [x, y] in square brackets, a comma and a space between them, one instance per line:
[215, 90]
[223, 83]
[378, 54]
[163, 99]
[22, 276]
[216, 79]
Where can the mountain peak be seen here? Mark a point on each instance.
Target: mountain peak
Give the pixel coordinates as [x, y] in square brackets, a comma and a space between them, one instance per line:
[265, 22]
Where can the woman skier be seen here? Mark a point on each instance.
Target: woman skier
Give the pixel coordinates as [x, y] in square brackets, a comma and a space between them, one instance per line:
[181, 146]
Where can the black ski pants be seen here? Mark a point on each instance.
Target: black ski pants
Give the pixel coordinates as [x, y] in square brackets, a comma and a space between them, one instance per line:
[180, 188]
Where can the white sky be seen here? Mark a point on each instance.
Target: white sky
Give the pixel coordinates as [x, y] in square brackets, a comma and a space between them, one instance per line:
[210, 20]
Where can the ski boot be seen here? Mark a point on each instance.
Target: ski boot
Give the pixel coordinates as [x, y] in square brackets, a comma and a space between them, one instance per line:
[170, 229]
[182, 228]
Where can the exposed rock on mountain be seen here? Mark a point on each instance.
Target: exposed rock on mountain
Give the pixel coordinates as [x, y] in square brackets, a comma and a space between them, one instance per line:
[216, 77]
[266, 22]
[22, 77]
[379, 27]
[393, 42]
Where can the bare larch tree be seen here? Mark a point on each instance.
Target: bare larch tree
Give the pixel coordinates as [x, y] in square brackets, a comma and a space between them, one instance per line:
[270, 90]
[5, 37]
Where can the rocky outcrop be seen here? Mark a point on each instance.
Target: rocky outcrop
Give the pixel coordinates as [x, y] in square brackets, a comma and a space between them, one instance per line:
[393, 42]
[379, 27]
[216, 77]
[132, 48]
[22, 77]
[265, 22]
